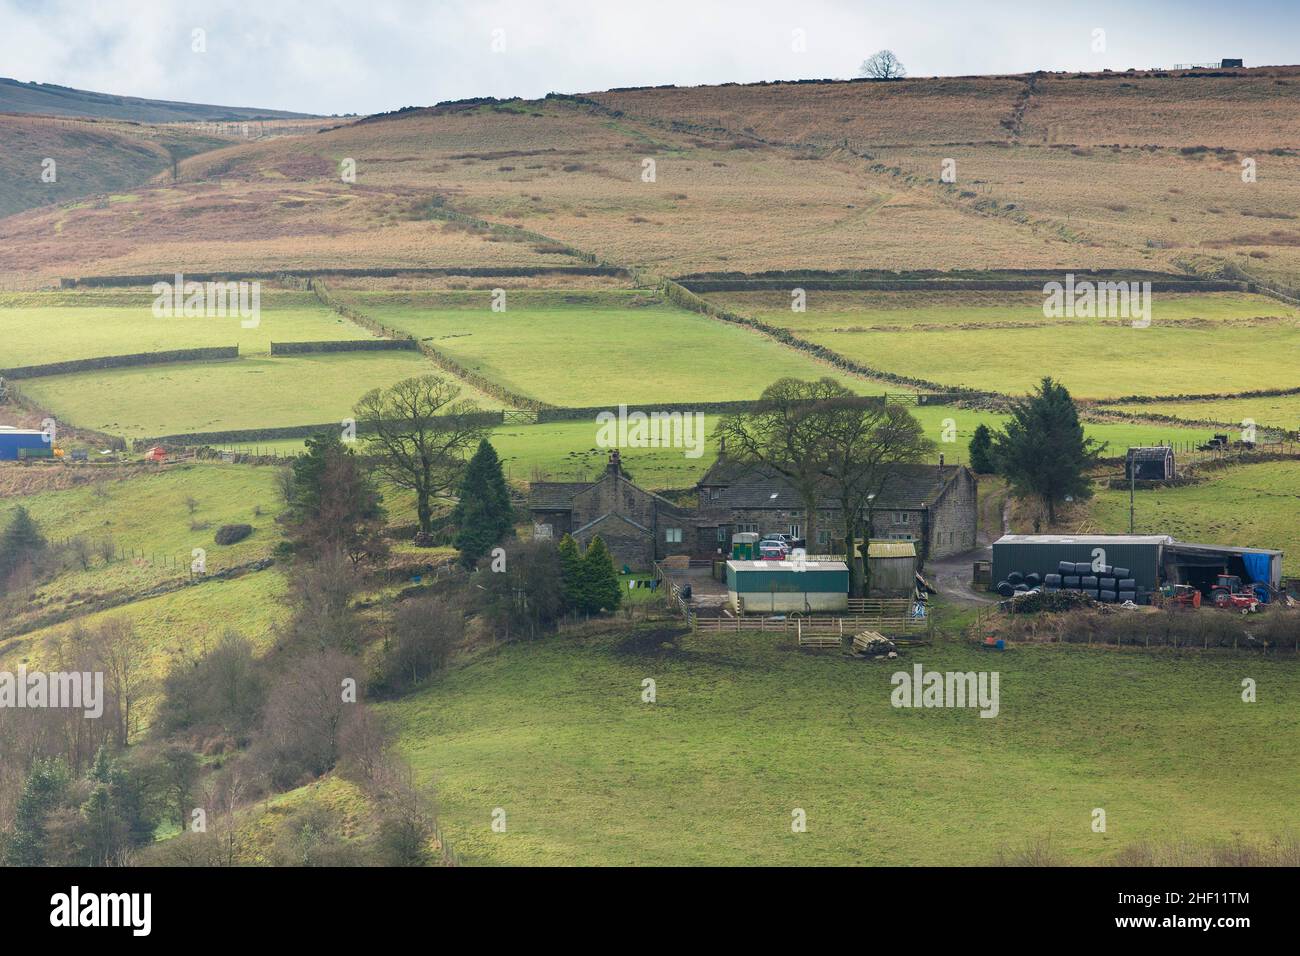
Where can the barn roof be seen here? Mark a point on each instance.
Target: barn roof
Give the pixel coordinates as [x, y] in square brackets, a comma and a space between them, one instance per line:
[908, 488]
[1148, 452]
[555, 495]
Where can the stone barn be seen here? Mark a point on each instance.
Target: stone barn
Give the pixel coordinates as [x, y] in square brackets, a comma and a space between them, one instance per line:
[639, 526]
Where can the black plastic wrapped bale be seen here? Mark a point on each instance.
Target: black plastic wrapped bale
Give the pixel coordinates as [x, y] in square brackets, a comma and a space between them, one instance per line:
[1106, 596]
[1127, 584]
[1051, 588]
[1052, 580]
[1065, 567]
[1033, 579]
[1122, 572]
[1021, 589]
[1107, 571]
[1083, 567]
[1127, 596]
[1015, 577]
[1107, 584]
[1072, 581]
[1006, 588]
[1089, 583]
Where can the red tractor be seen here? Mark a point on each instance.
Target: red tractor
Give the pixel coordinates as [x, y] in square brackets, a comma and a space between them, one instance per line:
[1228, 592]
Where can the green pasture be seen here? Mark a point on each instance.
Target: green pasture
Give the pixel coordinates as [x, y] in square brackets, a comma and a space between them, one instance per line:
[216, 396]
[1248, 505]
[832, 311]
[746, 729]
[580, 354]
[1226, 342]
[39, 328]
[1266, 411]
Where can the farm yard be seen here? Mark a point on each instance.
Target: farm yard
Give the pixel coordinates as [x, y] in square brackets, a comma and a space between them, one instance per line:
[561, 256]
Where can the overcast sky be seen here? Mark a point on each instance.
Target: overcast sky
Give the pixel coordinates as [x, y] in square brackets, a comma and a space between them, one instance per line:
[365, 56]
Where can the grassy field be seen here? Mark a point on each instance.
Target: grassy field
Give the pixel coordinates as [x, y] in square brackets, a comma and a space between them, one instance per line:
[179, 624]
[236, 394]
[746, 729]
[38, 328]
[1250, 505]
[1273, 411]
[1002, 343]
[567, 451]
[578, 355]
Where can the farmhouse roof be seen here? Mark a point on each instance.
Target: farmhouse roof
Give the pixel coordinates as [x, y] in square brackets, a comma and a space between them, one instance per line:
[555, 495]
[908, 488]
[617, 517]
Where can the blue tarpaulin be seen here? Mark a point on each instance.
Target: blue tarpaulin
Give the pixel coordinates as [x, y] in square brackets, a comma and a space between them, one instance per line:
[1257, 566]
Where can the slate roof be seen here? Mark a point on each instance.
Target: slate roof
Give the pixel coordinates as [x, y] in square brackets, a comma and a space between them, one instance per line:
[555, 495]
[909, 488]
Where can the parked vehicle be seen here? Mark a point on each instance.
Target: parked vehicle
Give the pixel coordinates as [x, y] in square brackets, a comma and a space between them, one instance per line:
[772, 551]
[1229, 592]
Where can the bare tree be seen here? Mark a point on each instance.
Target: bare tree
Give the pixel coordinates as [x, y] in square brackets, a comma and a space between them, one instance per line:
[883, 65]
[785, 433]
[111, 648]
[420, 436]
[863, 445]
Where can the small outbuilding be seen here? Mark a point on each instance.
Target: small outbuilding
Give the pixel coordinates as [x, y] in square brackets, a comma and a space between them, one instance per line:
[18, 443]
[1149, 463]
[758, 587]
[892, 567]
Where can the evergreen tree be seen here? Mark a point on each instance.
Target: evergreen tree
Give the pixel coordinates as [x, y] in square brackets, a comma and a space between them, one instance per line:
[571, 572]
[47, 782]
[483, 515]
[1042, 451]
[20, 541]
[981, 451]
[600, 589]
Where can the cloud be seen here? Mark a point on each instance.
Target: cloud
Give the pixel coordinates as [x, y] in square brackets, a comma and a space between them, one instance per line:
[329, 56]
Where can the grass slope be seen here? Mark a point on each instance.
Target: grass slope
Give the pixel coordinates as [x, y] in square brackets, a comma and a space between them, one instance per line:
[38, 328]
[746, 729]
[1250, 505]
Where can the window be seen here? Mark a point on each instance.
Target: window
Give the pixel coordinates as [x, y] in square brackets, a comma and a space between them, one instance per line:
[722, 535]
[747, 529]
[902, 517]
[673, 535]
[823, 537]
[796, 531]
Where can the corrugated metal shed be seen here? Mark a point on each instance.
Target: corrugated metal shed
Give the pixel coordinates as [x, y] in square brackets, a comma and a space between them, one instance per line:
[13, 439]
[1042, 553]
[762, 577]
[891, 549]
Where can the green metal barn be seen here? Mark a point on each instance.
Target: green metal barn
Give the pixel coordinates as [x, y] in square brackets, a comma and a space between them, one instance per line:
[785, 586]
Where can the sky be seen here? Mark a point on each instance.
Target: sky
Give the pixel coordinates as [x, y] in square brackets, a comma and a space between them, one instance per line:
[367, 56]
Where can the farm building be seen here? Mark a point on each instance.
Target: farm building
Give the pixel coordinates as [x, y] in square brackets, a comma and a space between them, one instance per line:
[893, 567]
[638, 526]
[1149, 560]
[1149, 463]
[786, 586]
[14, 442]
[932, 506]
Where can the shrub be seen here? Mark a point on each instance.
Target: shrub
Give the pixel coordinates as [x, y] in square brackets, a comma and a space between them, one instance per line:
[230, 533]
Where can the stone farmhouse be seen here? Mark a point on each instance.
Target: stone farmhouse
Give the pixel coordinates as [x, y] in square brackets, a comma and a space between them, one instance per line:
[933, 506]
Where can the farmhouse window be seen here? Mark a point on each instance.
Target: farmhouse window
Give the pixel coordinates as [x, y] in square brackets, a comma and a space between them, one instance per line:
[747, 528]
[902, 517]
[796, 531]
[722, 534]
[823, 536]
[673, 535]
